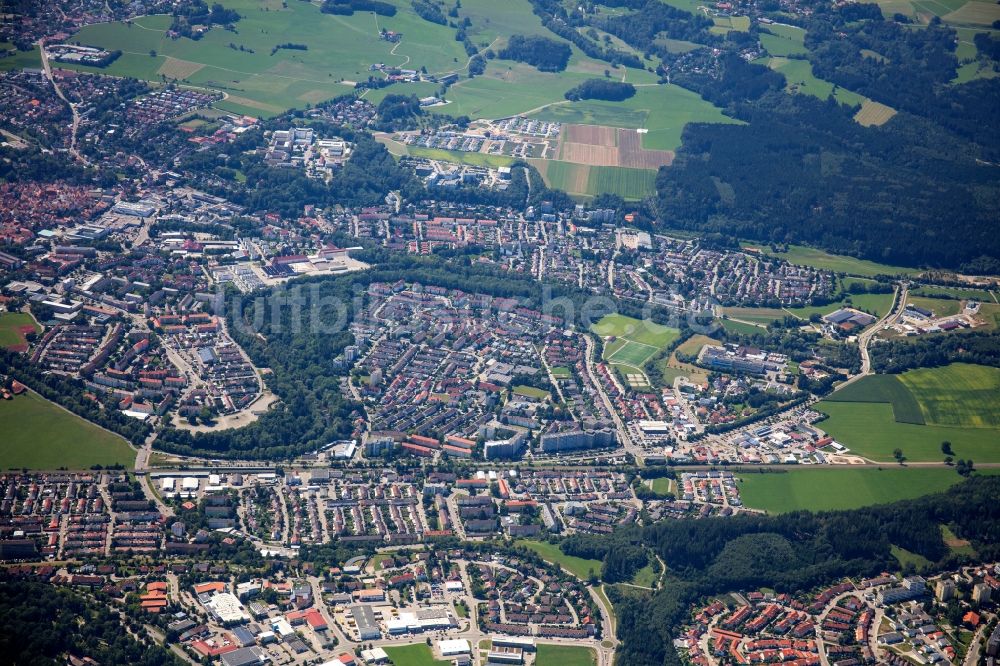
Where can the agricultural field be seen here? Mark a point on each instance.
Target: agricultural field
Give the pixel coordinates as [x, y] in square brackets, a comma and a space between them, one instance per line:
[807, 256]
[873, 114]
[828, 489]
[564, 655]
[19, 60]
[883, 389]
[630, 184]
[550, 552]
[800, 79]
[784, 40]
[870, 430]
[565, 176]
[959, 394]
[726, 24]
[13, 326]
[418, 654]
[41, 435]
[663, 110]
[263, 84]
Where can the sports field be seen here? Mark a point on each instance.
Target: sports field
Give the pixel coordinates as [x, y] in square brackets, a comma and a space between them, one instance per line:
[564, 655]
[827, 489]
[413, 655]
[646, 332]
[13, 326]
[633, 354]
[807, 256]
[550, 552]
[40, 435]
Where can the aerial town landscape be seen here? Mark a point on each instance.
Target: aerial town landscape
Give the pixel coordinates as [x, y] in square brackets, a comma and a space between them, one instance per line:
[468, 333]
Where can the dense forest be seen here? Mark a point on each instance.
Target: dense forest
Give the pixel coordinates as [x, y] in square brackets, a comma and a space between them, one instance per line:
[920, 190]
[348, 7]
[979, 347]
[47, 624]
[791, 552]
[547, 55]
[606, 89]
[802, 170]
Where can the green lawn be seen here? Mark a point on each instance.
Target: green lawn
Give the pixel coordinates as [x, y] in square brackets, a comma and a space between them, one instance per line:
[564, 655]
[648, 575]
[550, 552]
[838, 263]
[869, 429]
[40, 435]
[461, 157]
[663, 110]
[876, 304]
[662, 485]
[531, 392]
[755, 315]
[827, 489]
[11, 325]
[413, 655]
[19, 60]
[905, 557]
[740, 327]
[561, 371]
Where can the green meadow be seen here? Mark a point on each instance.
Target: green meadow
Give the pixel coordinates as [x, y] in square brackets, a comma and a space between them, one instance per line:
[564, 655]
[917, 411]
[807, 256]
[38, 434]
[829, 489]
[663, 110]
[550, 552]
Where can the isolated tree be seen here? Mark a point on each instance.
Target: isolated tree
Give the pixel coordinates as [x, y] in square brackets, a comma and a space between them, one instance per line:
[946, 448]
[898, 455]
